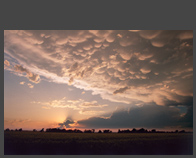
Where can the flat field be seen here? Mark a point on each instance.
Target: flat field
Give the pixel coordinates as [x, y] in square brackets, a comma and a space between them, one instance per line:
[46, 143]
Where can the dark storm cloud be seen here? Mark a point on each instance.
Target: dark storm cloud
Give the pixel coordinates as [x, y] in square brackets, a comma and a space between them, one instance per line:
[187, 119]
[149, 116]
[182, 100]
[66, 123]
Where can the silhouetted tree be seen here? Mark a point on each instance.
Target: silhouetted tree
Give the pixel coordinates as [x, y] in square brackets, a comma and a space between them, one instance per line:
[20, 129]
[77, 131]
[107, 131]
[183, 131]
[153, 130]
[42, 130]
[69, 131]
[124, 131]
[7, 129]
[134, 130]
[142, 130]
[127, 131]
[100, 131]
[63, 130]
[88, 131]
[34, 130]
[51, 130]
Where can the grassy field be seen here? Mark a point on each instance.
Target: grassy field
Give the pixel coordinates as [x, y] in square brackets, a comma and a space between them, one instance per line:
[45, 143]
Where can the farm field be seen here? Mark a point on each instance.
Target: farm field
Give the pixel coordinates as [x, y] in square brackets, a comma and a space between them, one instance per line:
[49, 143]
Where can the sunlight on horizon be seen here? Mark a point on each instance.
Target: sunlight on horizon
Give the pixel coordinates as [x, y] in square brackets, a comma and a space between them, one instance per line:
[98, 79]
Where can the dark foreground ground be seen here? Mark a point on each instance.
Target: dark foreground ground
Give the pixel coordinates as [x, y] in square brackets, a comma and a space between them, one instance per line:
[43, 143]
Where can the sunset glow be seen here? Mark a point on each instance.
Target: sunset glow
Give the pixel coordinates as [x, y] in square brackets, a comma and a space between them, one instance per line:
[98, 79]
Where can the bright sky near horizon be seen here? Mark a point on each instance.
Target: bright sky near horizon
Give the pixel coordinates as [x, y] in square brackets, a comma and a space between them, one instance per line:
[98, 79]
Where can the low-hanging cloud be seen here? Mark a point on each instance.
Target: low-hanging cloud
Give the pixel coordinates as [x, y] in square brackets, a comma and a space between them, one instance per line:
[66, 123]
[149, 116]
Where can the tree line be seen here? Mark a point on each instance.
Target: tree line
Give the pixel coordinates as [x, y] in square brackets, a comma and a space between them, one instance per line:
[141, 130]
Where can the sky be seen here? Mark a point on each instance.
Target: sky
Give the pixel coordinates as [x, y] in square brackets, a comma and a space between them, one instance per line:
[101, 79]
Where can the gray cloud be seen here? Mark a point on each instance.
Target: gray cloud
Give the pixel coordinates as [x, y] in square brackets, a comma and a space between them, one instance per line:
[71, 80]
[121, 90]
[66, 123]
[187, 119]
[149, 116]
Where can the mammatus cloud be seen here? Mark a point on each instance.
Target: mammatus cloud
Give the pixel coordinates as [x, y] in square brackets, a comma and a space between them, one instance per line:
[31, 76]
[186, 35]
[105, 61]
[6, 63]
[145, 71]
[160, 38]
